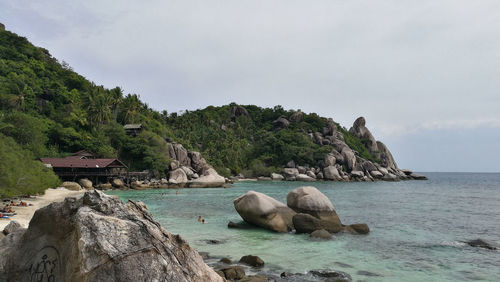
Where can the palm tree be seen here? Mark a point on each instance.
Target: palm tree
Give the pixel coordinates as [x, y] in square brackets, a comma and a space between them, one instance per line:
[131, 107]
[98, 105]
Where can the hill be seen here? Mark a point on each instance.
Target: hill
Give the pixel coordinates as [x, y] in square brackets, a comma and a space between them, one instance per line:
[49, 110]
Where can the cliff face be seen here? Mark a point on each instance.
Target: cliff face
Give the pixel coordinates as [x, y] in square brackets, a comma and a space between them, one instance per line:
[98, 238]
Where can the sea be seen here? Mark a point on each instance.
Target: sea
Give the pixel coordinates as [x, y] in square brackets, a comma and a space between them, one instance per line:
[418, 228]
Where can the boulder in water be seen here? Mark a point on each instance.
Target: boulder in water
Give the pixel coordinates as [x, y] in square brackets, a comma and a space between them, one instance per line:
[321, 234]
[480, 243]
[254, 261]
[261, 210]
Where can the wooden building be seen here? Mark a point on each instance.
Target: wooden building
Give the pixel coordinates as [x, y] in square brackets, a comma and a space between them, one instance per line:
[133, 129]
[83, 165]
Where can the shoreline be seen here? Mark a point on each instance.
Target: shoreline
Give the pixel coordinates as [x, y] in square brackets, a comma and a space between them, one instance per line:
[24, 214]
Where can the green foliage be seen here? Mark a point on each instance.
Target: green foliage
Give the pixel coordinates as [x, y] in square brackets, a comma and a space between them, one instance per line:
[21, 174]
[357, 145]
[50, 110]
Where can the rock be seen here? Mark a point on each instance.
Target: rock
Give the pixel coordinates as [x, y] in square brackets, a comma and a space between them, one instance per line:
[198, 163]
[318, 138]
[368, 166]
[383, 170]
[359, 130]
[138, 185]
[329, 160]
[331, 173]
[321, 234]
[357, 173]
[306, 199]
[385, 156]
[319, 175]
[11, 227]
[174, 165]
[303, 177]
[188, 171]
[71, 185]
[306, 223]
[330, 128]
[359, 228]
[254, 261]
[83, 239]
[213, 242]
[349, 158]
[233, 272]
[390, 177]
[297, 116]
[236, 225]
[337, 276]
[85, 183]
[418, 176]
[290, 164]
[179, 153]
[290, 173]
[276, 176]
[210, 179]
[177, 176]
[280, 123]
[407, 171]
[195, 176]
[480, 243]
[376, 174]
[204, 255]
[264, 178]
[311, 174]
[117, 183]
[226, 261]
[301, 169]
[261, 210]
[238, 111]
[368, 273]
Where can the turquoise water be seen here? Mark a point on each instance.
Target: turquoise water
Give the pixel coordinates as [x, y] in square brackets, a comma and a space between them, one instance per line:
[416, 227]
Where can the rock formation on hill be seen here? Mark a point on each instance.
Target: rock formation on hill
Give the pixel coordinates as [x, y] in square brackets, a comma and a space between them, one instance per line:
[98, 238]
[190, 169]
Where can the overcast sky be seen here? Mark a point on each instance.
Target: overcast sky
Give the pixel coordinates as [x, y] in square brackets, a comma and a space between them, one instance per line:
[425, 74]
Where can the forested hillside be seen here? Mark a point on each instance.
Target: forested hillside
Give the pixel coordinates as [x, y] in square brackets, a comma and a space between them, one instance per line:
[49, 110]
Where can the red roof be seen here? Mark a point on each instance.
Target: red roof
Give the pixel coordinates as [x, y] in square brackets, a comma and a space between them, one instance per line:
[78, 162]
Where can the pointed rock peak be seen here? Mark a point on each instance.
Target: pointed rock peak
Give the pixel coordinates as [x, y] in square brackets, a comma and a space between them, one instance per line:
[359, 122]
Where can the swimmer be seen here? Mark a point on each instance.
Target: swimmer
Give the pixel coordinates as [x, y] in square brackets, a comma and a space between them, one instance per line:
[199, 218]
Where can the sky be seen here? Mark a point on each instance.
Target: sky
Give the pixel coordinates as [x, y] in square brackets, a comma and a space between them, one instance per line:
[425, 74]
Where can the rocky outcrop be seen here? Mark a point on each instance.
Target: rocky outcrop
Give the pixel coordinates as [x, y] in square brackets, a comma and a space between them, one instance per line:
[331, 173]
[83, 240]
[11, 227]
[190, 169]
[296, 117]
[280, 123]
[238, 111]
[261, 210]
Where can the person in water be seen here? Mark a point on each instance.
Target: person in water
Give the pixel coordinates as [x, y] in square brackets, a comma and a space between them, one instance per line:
[203, 221]
[199, 218]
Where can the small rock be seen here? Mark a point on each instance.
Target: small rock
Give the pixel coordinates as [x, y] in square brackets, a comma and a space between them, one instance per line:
[480, 243]
[368, 273]
[85, 183]
[236, 225]
[276, 176]
[226, 261]
[71, 185]
[418, 176]
[359, 228]
[254, 278]
[233, 272]
[254, 261]
[213, 242]
[321, 234]
[338, 276]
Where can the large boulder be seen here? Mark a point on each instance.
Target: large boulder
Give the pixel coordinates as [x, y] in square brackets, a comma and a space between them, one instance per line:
[238, 111]
[385, 156]
[276, 176]
[290, 173]
[178, 153]
[296, 117]
[210, 179]
[198, 163]
[359, 130]
[349, 158]
[309, 200]
[71, 185]
[261, 210]
[304, 177]
[117, 183]
[329, 159]
[98, 238]
[331, 173]
[251, 260]
[11, 227]
[321, 234]
[280, 123]
[85, 183]
[177, 176]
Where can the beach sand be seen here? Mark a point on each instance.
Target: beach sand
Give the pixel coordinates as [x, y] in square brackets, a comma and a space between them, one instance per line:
[24, 214]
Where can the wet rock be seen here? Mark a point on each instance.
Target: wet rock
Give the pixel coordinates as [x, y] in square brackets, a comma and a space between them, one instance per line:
[359, 228]
[213, 242]
[321, 234]
[368, 273]
[226, 261]
[306, 223]
[255, 278]
[204, 255]
[254, 261]
[83, 239]
[480, 243]
[261, 210]
[237, 225]
[233, 272]
[418, 176]
[337, 276]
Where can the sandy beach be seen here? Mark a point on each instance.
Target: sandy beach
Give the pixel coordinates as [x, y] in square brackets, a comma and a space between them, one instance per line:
[24, 214]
